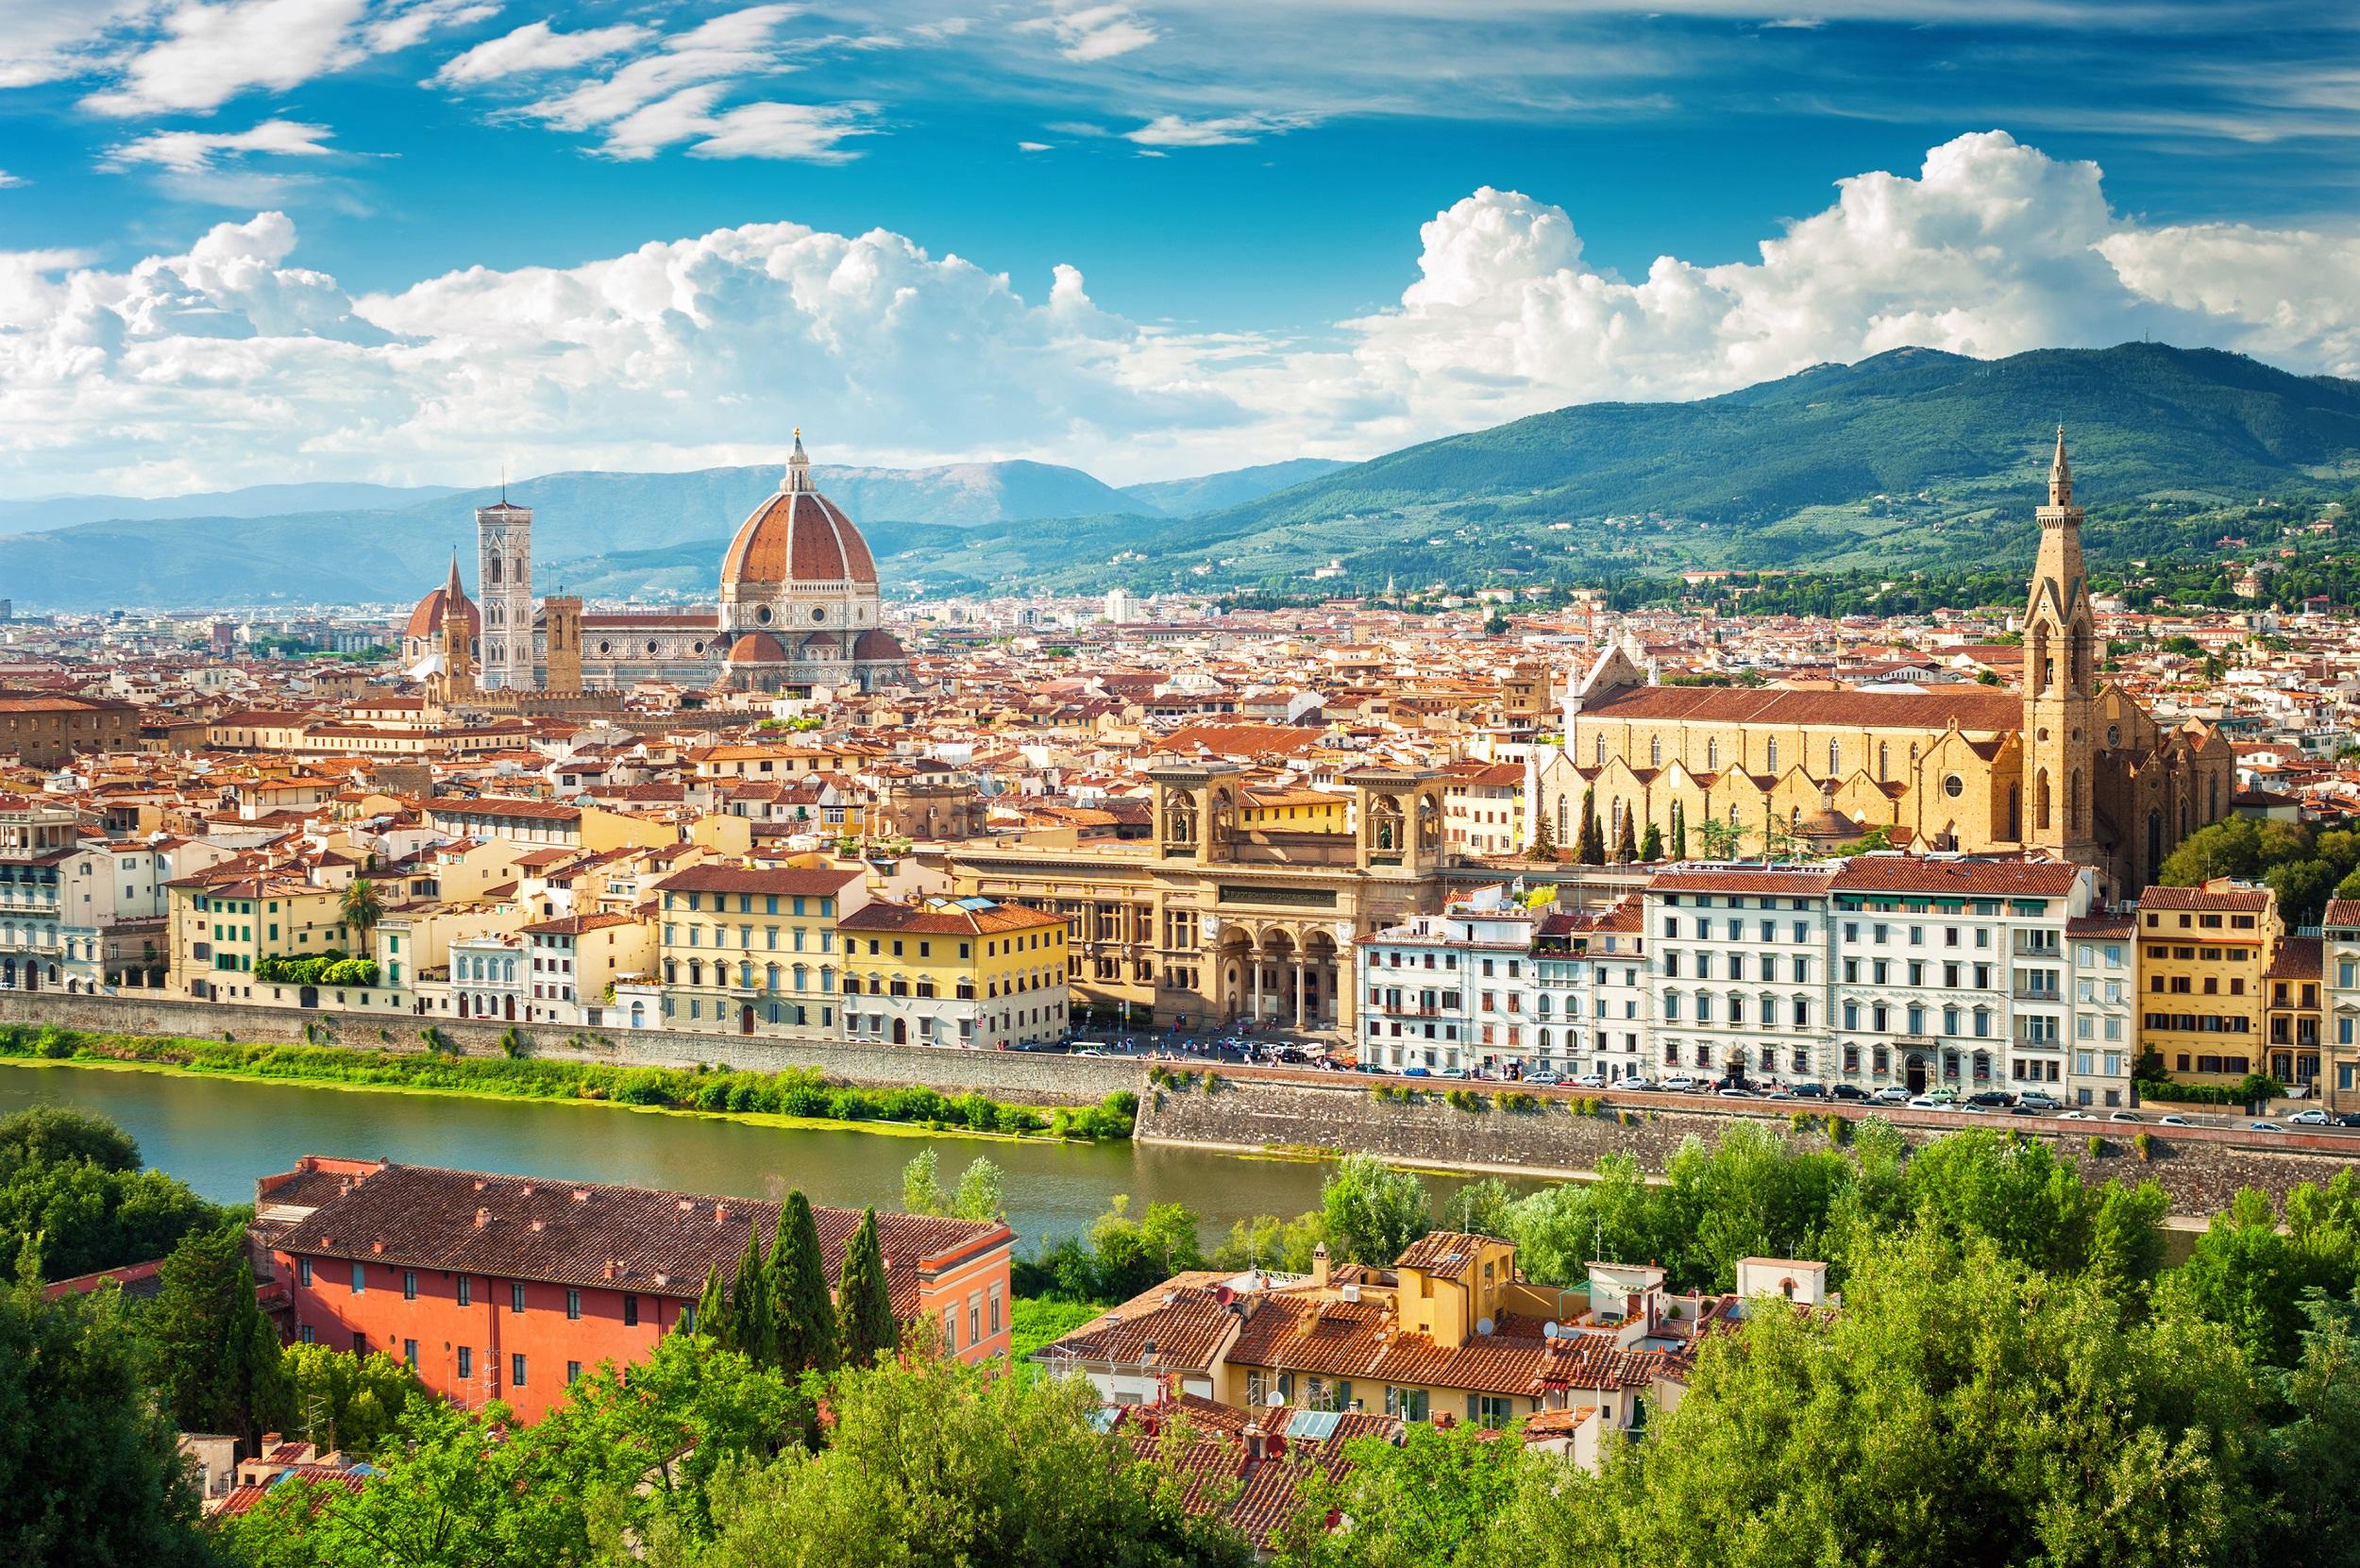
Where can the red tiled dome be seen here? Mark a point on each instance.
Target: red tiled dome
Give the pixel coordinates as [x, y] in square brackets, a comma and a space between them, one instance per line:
[757, 647]
[427, 619]
[797, 536]
[873, 644]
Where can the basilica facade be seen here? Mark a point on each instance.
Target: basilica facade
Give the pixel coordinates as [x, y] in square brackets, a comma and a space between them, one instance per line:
[2069, 765]
[799, 607]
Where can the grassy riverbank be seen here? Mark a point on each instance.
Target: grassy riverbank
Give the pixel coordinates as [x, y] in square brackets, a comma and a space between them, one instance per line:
[798, 1096]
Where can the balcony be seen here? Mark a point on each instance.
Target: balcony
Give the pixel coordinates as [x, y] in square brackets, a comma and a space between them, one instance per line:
[2028, 993]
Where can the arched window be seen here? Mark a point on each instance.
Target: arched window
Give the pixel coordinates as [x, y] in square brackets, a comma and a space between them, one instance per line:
[1835, 759]
[1713, 753]
[1770, 751]
[1883, 756]
[1655, 750]
[2040, 801]
[1597, 751]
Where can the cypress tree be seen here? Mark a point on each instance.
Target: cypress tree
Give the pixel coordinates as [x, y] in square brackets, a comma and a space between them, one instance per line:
[1627, 843]
[218, 1355]
[754, 1331]
[864, 1305]
[800, 1313]
[713, 1310]
[1651, 845]
[1592, 847]
[1679, 832]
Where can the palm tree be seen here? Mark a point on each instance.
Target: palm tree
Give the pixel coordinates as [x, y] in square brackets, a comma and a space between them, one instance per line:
[361, 907]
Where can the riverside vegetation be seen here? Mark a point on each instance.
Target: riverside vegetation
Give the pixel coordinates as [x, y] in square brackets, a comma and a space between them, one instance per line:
[2013, 1378]
[802, 1092]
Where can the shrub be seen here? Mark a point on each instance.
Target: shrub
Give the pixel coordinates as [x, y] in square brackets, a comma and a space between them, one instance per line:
[1517, 1099]
[512, 1044]
[2144, 1145]
[2098, 1146]
[1464, 1100]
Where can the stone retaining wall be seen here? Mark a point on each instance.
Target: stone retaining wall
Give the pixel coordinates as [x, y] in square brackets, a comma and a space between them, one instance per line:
[1009, 1075]
[2199, 1172]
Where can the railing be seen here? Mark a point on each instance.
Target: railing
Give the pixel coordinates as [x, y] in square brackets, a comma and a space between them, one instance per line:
[2030, 993]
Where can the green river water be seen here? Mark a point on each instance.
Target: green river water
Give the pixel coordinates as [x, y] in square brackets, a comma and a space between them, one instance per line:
[219, 1133]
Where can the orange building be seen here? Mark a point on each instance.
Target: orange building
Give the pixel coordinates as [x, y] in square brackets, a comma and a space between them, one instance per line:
[510, 1288]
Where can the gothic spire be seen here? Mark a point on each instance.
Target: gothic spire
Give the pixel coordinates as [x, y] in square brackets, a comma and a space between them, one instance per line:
[451, 594]
[2059, 475]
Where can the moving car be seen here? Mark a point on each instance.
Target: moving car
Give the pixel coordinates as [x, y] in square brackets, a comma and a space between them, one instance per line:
[2173, 1122]
[2036, 1101]
[2126, 1116]
[1678, 1083]
[1735, 1093]
[2264, 1127]
[1892, 1094]
[1590, 1080]
[1542, 1077]
[2077, 1116]
[1848, 1091]
[1450, 1073]
[1809, 1091]
[2310, 1117]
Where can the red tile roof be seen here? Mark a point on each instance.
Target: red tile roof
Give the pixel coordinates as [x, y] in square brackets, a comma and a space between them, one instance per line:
[1975, 708]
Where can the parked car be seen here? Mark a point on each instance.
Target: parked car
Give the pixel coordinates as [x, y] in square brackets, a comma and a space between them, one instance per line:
[2310, 1117]
[2350, 1119]
[1890, 1095]
[1637, 1083]
[1945, 1096]
[1543, 1077]
[1590, 1080]
[1848, 1091]
[1450, 1073]
[1991, 1097]
[1678, 1083]
[2173, 1122]
[1417, 1073]
[1291, 1054]
[1810, 1091]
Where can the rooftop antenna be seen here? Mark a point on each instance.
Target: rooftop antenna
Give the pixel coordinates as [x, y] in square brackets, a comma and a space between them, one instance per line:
[503, 482]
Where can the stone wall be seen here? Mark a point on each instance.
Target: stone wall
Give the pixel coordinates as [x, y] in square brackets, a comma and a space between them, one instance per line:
[1010, 1075]
[2199, 1168]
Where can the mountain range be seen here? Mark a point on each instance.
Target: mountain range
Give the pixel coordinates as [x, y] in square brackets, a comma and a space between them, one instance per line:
[1913, 456]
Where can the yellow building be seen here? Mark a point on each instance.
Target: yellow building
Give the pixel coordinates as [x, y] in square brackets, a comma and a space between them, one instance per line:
[751, 951]
[2070, 765]
[1295, 811]
[954, 971]
[224, 921]
[2203, 956]
[1214, 919]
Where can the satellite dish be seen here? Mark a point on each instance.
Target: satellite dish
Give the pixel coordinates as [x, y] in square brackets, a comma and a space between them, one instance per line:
[1223, 1295]
[1483, 1326]
[1548, 1330]
[1276, 1399]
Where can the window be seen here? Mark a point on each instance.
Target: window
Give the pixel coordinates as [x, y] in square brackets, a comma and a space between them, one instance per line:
[517, 1295]
[360, 1345]
[1401, 1404]
[573, 1373]
[307, 1336]
[359, 1282]
[995, 1309]
[630, 1311]
[1491, 1412]
[467, 1292]
[408, 1283]
[467, 1362]
[573, 1304]
[409, 1353]
[303, 1272]
[517, 1371]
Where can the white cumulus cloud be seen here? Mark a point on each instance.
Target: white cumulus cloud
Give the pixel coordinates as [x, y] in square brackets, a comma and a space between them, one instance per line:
[537, 46]
[1088, 33]
[208, 51]
[234, 364]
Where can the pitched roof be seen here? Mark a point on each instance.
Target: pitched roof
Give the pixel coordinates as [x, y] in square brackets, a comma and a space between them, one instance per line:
[1894, 874]
[1975, 708]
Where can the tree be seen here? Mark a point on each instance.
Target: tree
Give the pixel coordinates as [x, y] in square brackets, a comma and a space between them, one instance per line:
[1680, 831]
[360, 907]
[981, 1192]
[59, 1135]
[92, 1476]
[1481, 1207]
[217, 1356]
[72, 1190]
[1560, 1231]
[1591, 850]
[921, 1189]
[1372, 1210]
[1266, 1241]
[1136, 1255]
[1625, 842]
[1428, 1502]
[751, 1329]
[713, 1312]
[1718, 839]
[1873, 1435]
[803, 1318]
[1651, 845]
[1543, 840]
[932, 1461]
[2312, 1459]
[340, 1400]
[864, 1324]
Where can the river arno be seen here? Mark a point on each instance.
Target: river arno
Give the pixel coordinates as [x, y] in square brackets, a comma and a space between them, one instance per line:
[219, 1133]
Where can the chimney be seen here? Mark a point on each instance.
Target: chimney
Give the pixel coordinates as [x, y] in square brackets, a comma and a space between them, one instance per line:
[721, 1212]
[1254, 1443]
[1319, 1266]
[536, 1225]
[478, 1184]
[377, 1246]
[482, 1218]
[582, 1194]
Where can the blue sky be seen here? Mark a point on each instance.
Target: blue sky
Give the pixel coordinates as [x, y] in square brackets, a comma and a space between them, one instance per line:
[296, 238]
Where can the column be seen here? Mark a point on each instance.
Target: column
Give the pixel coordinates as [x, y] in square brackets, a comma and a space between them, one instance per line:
[1299, 967]
[1254, 965]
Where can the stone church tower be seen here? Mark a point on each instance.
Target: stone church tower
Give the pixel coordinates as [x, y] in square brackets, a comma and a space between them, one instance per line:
[2060, 680]
[503, 536]
[455, 681]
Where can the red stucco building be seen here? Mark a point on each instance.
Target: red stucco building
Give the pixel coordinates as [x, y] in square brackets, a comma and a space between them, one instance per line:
[497, 1287]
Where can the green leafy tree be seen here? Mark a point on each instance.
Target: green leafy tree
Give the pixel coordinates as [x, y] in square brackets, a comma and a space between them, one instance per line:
[361, 907]
[217, 1356]
[1138, 1255]
[60, 1135]
[1651, 845]
[921, 1186]
[932, 1461]
[72, 1190]
[2310, 1459]
[1266, 1241]
[342, 1401]
[1481, 1207]
[982, 1192]
[1560, 1230]
[864, 1324]
[1372, 1210]
[88, 1470]
[802, 1317]
[1432, 1501]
